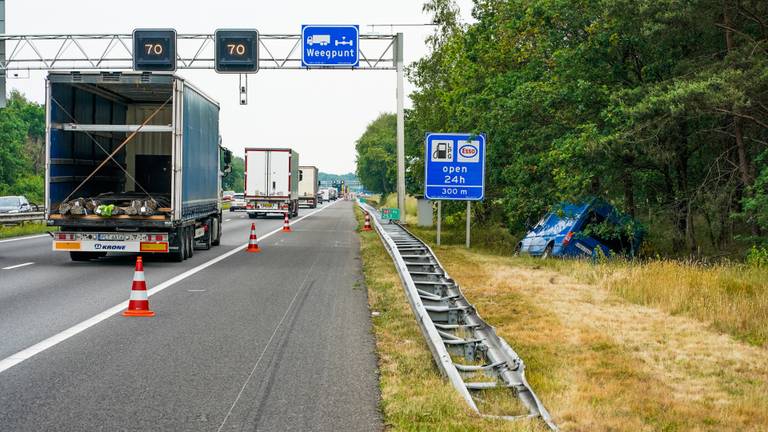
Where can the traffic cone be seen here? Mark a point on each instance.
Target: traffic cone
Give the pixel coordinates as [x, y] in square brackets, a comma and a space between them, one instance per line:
[252, 245]
[286, 225]
[367, 226]
[138, 305]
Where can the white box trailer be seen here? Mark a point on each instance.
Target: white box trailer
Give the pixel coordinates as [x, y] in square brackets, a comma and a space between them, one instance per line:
[271, 181]
[308, 184]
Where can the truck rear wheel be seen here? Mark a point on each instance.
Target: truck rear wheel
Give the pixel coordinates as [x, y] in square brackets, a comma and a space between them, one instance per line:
[216, 233]
[79, 256]
[206, 238]
[190, 241]
[178, 255]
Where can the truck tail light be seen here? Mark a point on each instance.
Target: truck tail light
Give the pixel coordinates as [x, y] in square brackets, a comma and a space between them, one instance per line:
[567, 238]
[65, 236]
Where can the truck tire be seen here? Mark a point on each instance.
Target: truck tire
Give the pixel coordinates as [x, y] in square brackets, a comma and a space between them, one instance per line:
[191, 241]
[178, 255]
[253, 215]
[206, 238]
[79, 256]
[216, 234]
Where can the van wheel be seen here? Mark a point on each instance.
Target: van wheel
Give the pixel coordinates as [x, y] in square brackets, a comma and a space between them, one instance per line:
[547, 251]
[252, 215]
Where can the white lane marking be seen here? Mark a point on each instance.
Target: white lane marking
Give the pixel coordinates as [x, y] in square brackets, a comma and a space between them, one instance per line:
[227, 220]
[56, 339]
[24, 238]
[195, 290]
[17, 266]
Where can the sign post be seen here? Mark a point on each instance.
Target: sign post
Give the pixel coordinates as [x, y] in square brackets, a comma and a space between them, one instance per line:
[439, 220]
[454, 170]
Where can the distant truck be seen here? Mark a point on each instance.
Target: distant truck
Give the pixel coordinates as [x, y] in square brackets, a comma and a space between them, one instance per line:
[321, 40]
[159, 193]
[308, 184]
[271, 181]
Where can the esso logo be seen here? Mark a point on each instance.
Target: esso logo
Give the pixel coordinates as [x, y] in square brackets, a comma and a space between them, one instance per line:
[468, 151]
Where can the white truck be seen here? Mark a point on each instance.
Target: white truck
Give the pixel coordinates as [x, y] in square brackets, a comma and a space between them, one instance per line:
[308, 184]
[321, 40]
[271, 181]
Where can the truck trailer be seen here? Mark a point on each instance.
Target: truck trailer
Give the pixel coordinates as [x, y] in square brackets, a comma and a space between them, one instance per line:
[271, 182]
[308, 184]
[133, 164]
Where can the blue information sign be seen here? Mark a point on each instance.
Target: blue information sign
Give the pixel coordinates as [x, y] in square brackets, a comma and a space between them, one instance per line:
[454, 167]
[330, 46]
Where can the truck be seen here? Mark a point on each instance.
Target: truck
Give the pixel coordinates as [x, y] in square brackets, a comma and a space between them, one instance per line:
[133, 164]
[308, 184]
[271, 182]
[321, 40]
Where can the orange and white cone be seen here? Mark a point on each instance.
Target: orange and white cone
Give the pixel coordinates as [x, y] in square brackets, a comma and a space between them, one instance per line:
[286, 224]
[367, 226]
[252, 245]
[138, 304]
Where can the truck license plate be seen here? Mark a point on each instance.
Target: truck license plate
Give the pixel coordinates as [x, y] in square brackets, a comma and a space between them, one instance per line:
[111, 237]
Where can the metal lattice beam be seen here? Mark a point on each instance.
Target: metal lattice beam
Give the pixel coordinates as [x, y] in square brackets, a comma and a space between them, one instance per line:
[194, 51]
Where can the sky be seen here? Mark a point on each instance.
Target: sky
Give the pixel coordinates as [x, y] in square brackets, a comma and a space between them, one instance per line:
[318, 113]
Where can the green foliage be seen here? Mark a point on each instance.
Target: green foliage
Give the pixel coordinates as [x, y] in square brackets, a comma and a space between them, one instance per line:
[22, 152]
[758, 257]
[377, 155]
[658, 106]
[235, 180]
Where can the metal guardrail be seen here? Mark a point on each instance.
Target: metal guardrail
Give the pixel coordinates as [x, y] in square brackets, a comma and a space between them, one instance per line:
[452, 326]
[15, 218]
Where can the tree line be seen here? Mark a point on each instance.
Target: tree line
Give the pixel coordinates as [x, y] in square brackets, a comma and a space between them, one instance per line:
[659, 106]
[22, 148]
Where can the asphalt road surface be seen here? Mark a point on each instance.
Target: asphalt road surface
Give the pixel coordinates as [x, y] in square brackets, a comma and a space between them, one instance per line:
[278, 340]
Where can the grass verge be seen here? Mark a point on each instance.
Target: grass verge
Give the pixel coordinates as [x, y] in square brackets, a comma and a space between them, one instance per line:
[608, 347]
[601, 363]
[24, 230]
[414, 395]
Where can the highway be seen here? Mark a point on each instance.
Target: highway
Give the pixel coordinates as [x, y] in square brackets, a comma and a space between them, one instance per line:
[278, 340]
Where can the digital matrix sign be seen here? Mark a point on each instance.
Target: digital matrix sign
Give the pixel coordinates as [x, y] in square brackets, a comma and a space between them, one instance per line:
[237, 51]
[154, 50]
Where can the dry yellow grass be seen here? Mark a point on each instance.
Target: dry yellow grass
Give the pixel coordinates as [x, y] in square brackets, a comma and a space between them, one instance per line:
[731, 298]
[601, 363]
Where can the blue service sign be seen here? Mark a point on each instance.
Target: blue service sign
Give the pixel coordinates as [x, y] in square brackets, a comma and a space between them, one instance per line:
[330, 45]
[454, 167]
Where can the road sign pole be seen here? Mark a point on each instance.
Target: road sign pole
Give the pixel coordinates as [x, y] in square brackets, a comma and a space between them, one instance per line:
[439, 219]
[400, 128]
[469, 216]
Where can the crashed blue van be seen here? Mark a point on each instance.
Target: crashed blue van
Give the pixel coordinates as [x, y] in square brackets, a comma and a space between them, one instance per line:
[582, 229]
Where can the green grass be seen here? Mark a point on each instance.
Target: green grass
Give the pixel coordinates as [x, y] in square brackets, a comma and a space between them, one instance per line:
[25, 229]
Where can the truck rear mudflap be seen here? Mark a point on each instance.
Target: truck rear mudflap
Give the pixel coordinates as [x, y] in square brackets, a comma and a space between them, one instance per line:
[110, 242]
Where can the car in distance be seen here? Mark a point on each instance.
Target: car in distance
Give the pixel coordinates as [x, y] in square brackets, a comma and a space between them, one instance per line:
[238, 202]
[227, 195]
[583, 229]
[14, 204]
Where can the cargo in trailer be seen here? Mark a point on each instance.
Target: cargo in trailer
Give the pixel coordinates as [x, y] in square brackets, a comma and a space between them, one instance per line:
[271, 182]
[308, 185]
[133, 164]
